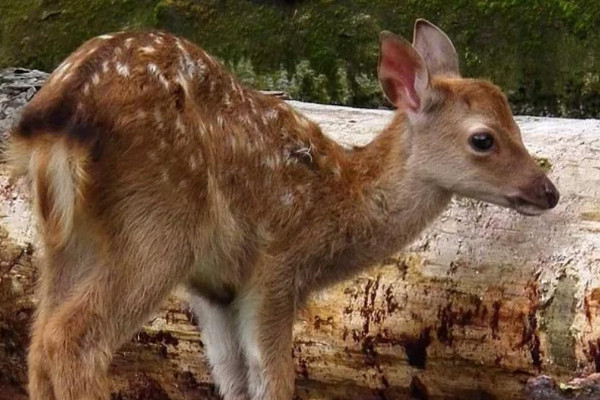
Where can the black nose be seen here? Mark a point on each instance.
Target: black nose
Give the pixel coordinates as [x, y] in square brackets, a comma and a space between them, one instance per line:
[551, 193]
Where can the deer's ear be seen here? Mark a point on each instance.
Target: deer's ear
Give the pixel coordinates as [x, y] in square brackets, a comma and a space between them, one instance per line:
[402, 72]
[436, 48]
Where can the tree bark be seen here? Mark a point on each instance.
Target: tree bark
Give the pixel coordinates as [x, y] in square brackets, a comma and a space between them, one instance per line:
[485, 301]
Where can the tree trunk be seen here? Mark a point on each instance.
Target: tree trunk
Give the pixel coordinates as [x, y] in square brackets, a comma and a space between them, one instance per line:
[484, 301]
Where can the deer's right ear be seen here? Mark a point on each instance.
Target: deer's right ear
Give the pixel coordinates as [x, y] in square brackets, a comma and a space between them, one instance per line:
[402, 72]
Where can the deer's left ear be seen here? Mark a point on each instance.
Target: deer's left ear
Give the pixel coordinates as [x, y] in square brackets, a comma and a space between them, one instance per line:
[436, 49]
[402, 73]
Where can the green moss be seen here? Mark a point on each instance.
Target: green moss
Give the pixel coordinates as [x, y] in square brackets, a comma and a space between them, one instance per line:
[543, 163]
[558, 318]
[591, 216]
[326, 50]
[39, 34]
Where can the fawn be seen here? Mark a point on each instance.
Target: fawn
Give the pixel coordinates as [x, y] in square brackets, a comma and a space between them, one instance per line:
[151, 167]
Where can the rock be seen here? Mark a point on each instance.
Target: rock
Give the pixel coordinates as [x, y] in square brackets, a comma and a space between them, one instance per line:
[17, 87]
[545, 388]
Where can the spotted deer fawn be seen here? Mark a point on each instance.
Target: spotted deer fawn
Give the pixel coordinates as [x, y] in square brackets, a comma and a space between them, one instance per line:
[151, 167]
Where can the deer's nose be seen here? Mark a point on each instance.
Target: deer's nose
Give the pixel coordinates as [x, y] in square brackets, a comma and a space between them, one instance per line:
[552, 195]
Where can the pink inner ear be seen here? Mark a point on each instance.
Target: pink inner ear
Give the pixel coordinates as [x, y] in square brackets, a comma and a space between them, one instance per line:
[398, 68]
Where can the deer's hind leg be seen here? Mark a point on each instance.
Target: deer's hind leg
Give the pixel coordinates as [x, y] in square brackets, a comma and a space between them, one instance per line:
[123, 287]
[60, 271]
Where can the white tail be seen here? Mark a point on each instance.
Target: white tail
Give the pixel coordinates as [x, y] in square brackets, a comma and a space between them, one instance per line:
[57, 180]
[151, 167]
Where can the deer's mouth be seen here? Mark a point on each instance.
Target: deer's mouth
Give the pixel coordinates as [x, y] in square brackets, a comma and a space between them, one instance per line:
[525, 207]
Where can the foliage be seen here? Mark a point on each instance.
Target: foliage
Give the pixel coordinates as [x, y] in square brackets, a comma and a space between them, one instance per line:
[543, 53]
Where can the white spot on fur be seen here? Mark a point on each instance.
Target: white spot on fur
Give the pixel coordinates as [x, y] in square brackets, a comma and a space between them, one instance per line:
[123, 69]
[185, 60]
[252, 105]
[147, 49]
[153, 69]
[337, 171]
[241, 92]
[105, 67]
[233, 142]
[158, 117]
[249, 121]
[86, 88]
[179, 124]
[201, 127]
[95, 79]
[165, 176]
[232, 84]
[269, 162]
[140, 114]
[128, 42]
[192, 163]
[163, 81]
[184, 84]
[221, 121]
[105, 37]
[287, 198]
[269, 116]
[226, 99]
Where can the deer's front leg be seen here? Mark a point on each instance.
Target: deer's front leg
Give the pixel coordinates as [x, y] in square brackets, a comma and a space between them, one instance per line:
[266, 317]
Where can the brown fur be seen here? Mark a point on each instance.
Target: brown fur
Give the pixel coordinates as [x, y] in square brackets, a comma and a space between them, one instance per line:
[152, 167]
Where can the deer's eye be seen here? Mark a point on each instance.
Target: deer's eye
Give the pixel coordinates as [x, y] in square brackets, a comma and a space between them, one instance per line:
[481, 142]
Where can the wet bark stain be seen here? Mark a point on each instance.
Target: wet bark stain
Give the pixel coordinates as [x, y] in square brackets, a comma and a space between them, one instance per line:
[530, 337]
[145, 388]
[416, 348]
[417, 389]
[446, 322]
[495, 319]
[593, 353]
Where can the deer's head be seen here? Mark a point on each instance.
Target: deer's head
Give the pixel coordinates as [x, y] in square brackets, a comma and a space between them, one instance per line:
[461, 135]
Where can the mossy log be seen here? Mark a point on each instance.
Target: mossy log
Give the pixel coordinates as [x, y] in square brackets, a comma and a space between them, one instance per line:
[482, 303]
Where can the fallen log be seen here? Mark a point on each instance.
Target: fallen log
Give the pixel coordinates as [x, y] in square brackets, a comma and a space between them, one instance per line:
[479, 307]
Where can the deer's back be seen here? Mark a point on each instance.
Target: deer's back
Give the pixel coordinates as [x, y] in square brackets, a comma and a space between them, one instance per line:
[170, 132]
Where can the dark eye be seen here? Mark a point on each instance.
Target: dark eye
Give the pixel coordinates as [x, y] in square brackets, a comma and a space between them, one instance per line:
[481, 142]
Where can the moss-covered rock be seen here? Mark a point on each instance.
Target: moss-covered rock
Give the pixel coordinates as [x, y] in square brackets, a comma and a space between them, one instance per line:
[544, 53]
[40, 33]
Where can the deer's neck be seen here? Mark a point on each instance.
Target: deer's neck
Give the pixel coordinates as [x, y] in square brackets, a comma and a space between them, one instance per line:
[387, 205]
